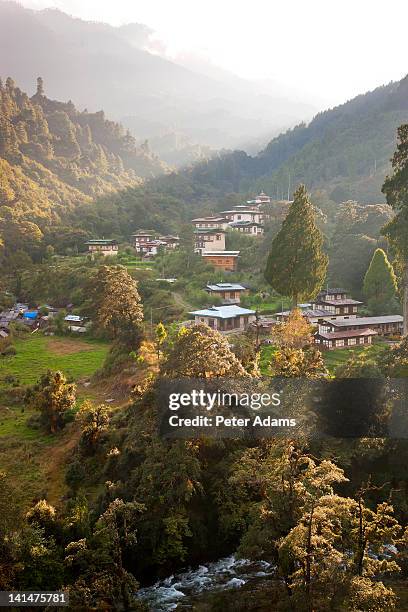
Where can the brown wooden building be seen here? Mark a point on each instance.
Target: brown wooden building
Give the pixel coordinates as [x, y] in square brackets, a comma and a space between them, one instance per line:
[344, 339]
[223, 260]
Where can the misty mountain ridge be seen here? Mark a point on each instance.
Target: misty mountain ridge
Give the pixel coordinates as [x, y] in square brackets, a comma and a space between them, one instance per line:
[345, 150]
[101, 66]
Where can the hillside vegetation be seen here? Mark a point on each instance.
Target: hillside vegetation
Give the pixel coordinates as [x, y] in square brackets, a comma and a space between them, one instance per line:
[54, 157]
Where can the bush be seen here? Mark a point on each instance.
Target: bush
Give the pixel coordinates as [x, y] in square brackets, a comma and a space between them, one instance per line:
[75, 475]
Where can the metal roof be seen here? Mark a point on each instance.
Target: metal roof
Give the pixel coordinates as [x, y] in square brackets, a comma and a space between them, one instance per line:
[209, 230]
[226, 287]
[101, 241]
[218, 253]
[346, 302]
[365, 321]
[347, 333]
[222, 312]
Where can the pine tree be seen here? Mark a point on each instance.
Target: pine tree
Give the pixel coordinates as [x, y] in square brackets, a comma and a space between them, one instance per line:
[396, 190]
[40, 87]
[380, 284]
[296, 265]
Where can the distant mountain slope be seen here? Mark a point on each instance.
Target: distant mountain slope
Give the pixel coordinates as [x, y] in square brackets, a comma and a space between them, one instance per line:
[97, 65]
[345, 150]
[53, 157]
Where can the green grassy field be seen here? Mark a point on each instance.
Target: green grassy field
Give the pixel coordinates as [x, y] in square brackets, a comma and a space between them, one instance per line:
[76, 357]
[337, 357]
[33, 459]
[332, 359]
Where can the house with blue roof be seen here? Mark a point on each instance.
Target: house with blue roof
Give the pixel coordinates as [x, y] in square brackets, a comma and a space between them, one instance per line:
[225, 318]
[229, 293]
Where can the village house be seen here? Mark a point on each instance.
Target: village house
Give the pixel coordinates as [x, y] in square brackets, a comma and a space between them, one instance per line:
[385, 325]
[344, 338]
[262, 198]
[337, 304]
[76, 323]
[171, 242]
[225, 318]
[222, 260]
[243, 212]
[210, 222]
[209, 240]
[247, 227]
[148, 243]
[141, 237]
[229, 293]
[105, 246]
[312, 315]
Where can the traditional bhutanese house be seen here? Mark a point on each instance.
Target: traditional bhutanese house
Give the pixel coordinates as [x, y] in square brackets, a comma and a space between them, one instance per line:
[209, 240]
[171, 242]
[151, 248]
[243, 212]
[247, 227]
[262, 198]
[313, 315]
[230, 293]
[214, 222]
[104, 246]
[337, 304]
[385, 325]
[222, 260]
[225, 318]
[344, 338]
[141, 237]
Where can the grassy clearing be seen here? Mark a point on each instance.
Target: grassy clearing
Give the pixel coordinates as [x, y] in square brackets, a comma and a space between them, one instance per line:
[35, 460]
[76, 357]
[332, 359]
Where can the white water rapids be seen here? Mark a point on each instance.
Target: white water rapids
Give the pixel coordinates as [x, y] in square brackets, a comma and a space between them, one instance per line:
[226, 573]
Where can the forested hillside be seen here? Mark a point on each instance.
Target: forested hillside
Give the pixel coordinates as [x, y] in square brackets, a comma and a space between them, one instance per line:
[54, 158]
[345, 150]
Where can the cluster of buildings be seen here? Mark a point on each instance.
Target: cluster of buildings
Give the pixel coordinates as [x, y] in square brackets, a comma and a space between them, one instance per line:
[37, 318]
[339, 325]
[209, 232]
[333, 313]
[147, 243]
[209, 235]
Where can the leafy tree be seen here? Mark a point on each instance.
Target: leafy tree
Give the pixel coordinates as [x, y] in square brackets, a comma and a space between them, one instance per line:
[295, 332]
[394, 361]
[395, 189]
[296, 264]
[53, 397]
[118, 309]
[298, 363]
[161, 335]
[201, 352]
[96, 563]
[380, 284]
[94, 421]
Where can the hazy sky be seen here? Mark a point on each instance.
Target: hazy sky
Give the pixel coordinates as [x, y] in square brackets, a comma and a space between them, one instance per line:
[330, 50]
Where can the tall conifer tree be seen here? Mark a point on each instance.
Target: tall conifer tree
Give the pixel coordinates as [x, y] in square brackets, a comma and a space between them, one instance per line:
[297, 265]
[396, 190]
[380, 285]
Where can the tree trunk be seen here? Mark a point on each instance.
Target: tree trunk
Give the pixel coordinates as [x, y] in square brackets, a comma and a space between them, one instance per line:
[405, 298]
